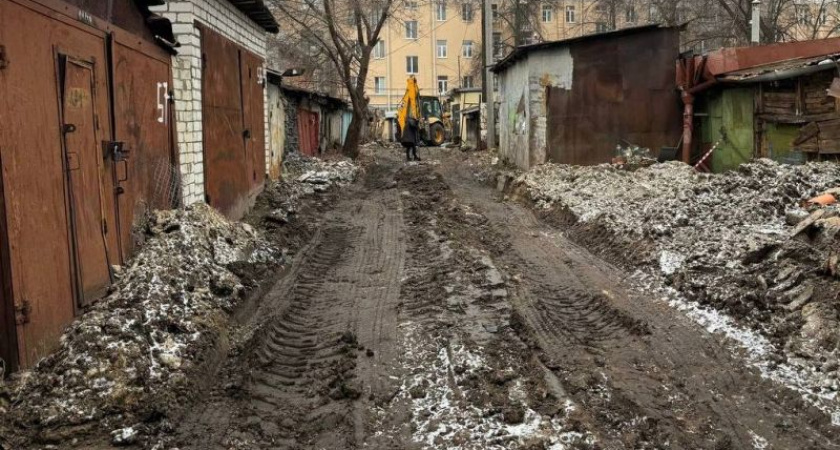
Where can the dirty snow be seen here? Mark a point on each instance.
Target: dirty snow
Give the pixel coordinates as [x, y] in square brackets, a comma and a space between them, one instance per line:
[444, 418]
[723, 244]
[126, 358]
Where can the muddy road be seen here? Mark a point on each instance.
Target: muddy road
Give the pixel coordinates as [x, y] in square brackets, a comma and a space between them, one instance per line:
[427, 312]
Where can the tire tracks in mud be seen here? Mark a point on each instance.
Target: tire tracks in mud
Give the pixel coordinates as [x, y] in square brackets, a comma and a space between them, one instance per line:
[468, 381]
[321, 346]
[644, 375]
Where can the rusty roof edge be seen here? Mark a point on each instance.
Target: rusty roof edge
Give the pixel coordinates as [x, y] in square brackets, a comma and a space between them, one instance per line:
[313, 94]
[733, 59]
[777, 75]
[523, 50]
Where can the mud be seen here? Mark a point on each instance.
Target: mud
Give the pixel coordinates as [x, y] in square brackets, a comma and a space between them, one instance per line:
[724, 243]
[422, 310]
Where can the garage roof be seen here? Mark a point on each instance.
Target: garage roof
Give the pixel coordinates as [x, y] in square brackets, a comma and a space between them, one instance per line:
[257, 11]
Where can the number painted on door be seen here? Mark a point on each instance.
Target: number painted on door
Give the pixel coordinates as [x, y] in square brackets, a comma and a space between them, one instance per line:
[163, 102]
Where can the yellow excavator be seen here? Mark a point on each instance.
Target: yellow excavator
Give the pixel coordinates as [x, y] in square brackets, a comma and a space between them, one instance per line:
[426, 109]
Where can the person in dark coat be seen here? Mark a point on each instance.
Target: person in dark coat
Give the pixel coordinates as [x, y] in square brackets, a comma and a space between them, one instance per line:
[410, 138]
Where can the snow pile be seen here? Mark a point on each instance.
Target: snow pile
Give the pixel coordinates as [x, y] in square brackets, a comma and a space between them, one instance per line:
[734, 242]
[692, 221]
[318, 174]
[125, 359]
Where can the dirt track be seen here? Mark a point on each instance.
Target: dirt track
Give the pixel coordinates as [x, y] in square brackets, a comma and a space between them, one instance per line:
[428, 313]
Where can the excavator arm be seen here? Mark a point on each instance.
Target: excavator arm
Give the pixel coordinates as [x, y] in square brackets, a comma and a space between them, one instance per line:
[410, 104]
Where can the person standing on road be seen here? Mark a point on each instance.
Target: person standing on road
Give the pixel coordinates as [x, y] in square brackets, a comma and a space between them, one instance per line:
[410, 138]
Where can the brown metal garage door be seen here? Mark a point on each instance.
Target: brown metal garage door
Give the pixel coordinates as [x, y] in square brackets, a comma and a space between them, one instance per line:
[62, 67]
[58, 189]
[149, 177]
[233, 124]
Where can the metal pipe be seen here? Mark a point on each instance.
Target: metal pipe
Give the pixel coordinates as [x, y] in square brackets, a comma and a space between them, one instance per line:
[488, 83]
[756, 22]
[688, 126]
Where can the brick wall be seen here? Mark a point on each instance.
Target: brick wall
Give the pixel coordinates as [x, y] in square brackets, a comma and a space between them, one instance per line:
[225, 19]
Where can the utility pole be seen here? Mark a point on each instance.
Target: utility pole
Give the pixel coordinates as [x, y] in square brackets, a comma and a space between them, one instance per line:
[488, 75]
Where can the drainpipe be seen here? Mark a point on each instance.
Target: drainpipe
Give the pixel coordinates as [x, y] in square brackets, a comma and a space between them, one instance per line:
[688, 126]
[756, 22]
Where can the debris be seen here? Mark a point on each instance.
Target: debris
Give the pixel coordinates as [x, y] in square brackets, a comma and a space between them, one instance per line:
[823, 200]
[124, 437]
[127, 356]
[723, 241]
[320, 174]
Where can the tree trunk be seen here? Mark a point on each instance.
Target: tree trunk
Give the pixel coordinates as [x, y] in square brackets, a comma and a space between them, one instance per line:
[354, 134]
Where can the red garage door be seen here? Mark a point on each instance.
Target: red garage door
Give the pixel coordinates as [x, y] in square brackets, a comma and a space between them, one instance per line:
[234, 128]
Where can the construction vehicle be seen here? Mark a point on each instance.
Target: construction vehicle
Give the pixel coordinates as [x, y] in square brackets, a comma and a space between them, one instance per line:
[426, 109]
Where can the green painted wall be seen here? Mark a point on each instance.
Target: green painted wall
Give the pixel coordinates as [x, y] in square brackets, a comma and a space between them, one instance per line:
[780, 139]
[730, 122]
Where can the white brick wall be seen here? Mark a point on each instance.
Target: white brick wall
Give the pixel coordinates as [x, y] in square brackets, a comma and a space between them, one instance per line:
[225, 19]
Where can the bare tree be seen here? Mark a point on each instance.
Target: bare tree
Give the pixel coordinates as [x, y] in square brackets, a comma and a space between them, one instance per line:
[816, 19]
[343, 33]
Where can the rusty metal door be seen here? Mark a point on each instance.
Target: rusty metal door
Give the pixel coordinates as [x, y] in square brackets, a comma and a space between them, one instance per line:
[225, 160]
[85, 184]
[8, 326]
[308, 131]
[148, 177]
[253, 114]
[33, 159]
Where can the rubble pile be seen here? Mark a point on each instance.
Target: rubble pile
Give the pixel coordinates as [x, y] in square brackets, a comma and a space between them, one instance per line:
[745, 242]
[123, 363]
[302, 176]
[319, 175]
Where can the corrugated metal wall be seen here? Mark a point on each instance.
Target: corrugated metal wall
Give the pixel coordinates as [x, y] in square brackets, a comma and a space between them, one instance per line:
[622, 93]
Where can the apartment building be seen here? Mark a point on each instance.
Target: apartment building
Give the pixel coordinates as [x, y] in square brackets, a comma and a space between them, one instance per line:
[440, 41]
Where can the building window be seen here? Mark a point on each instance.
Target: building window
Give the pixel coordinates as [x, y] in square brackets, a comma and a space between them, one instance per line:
[497, 44]
[602, 27]
[442, 49]
[411, 29]
[494, 8]
[375, 15]
[440, 10]
[467, 12]
[357, 48]
[379, 85]
[630, 14]
[570, 14]
[468, 82]
[443, 84]
[467, 49]
[379, 49]
[411, 5]
[495, 82]
[411, 64]
[547, 13]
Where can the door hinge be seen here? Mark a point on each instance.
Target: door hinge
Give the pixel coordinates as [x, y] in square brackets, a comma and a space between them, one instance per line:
[23, 311]
[4, 62]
